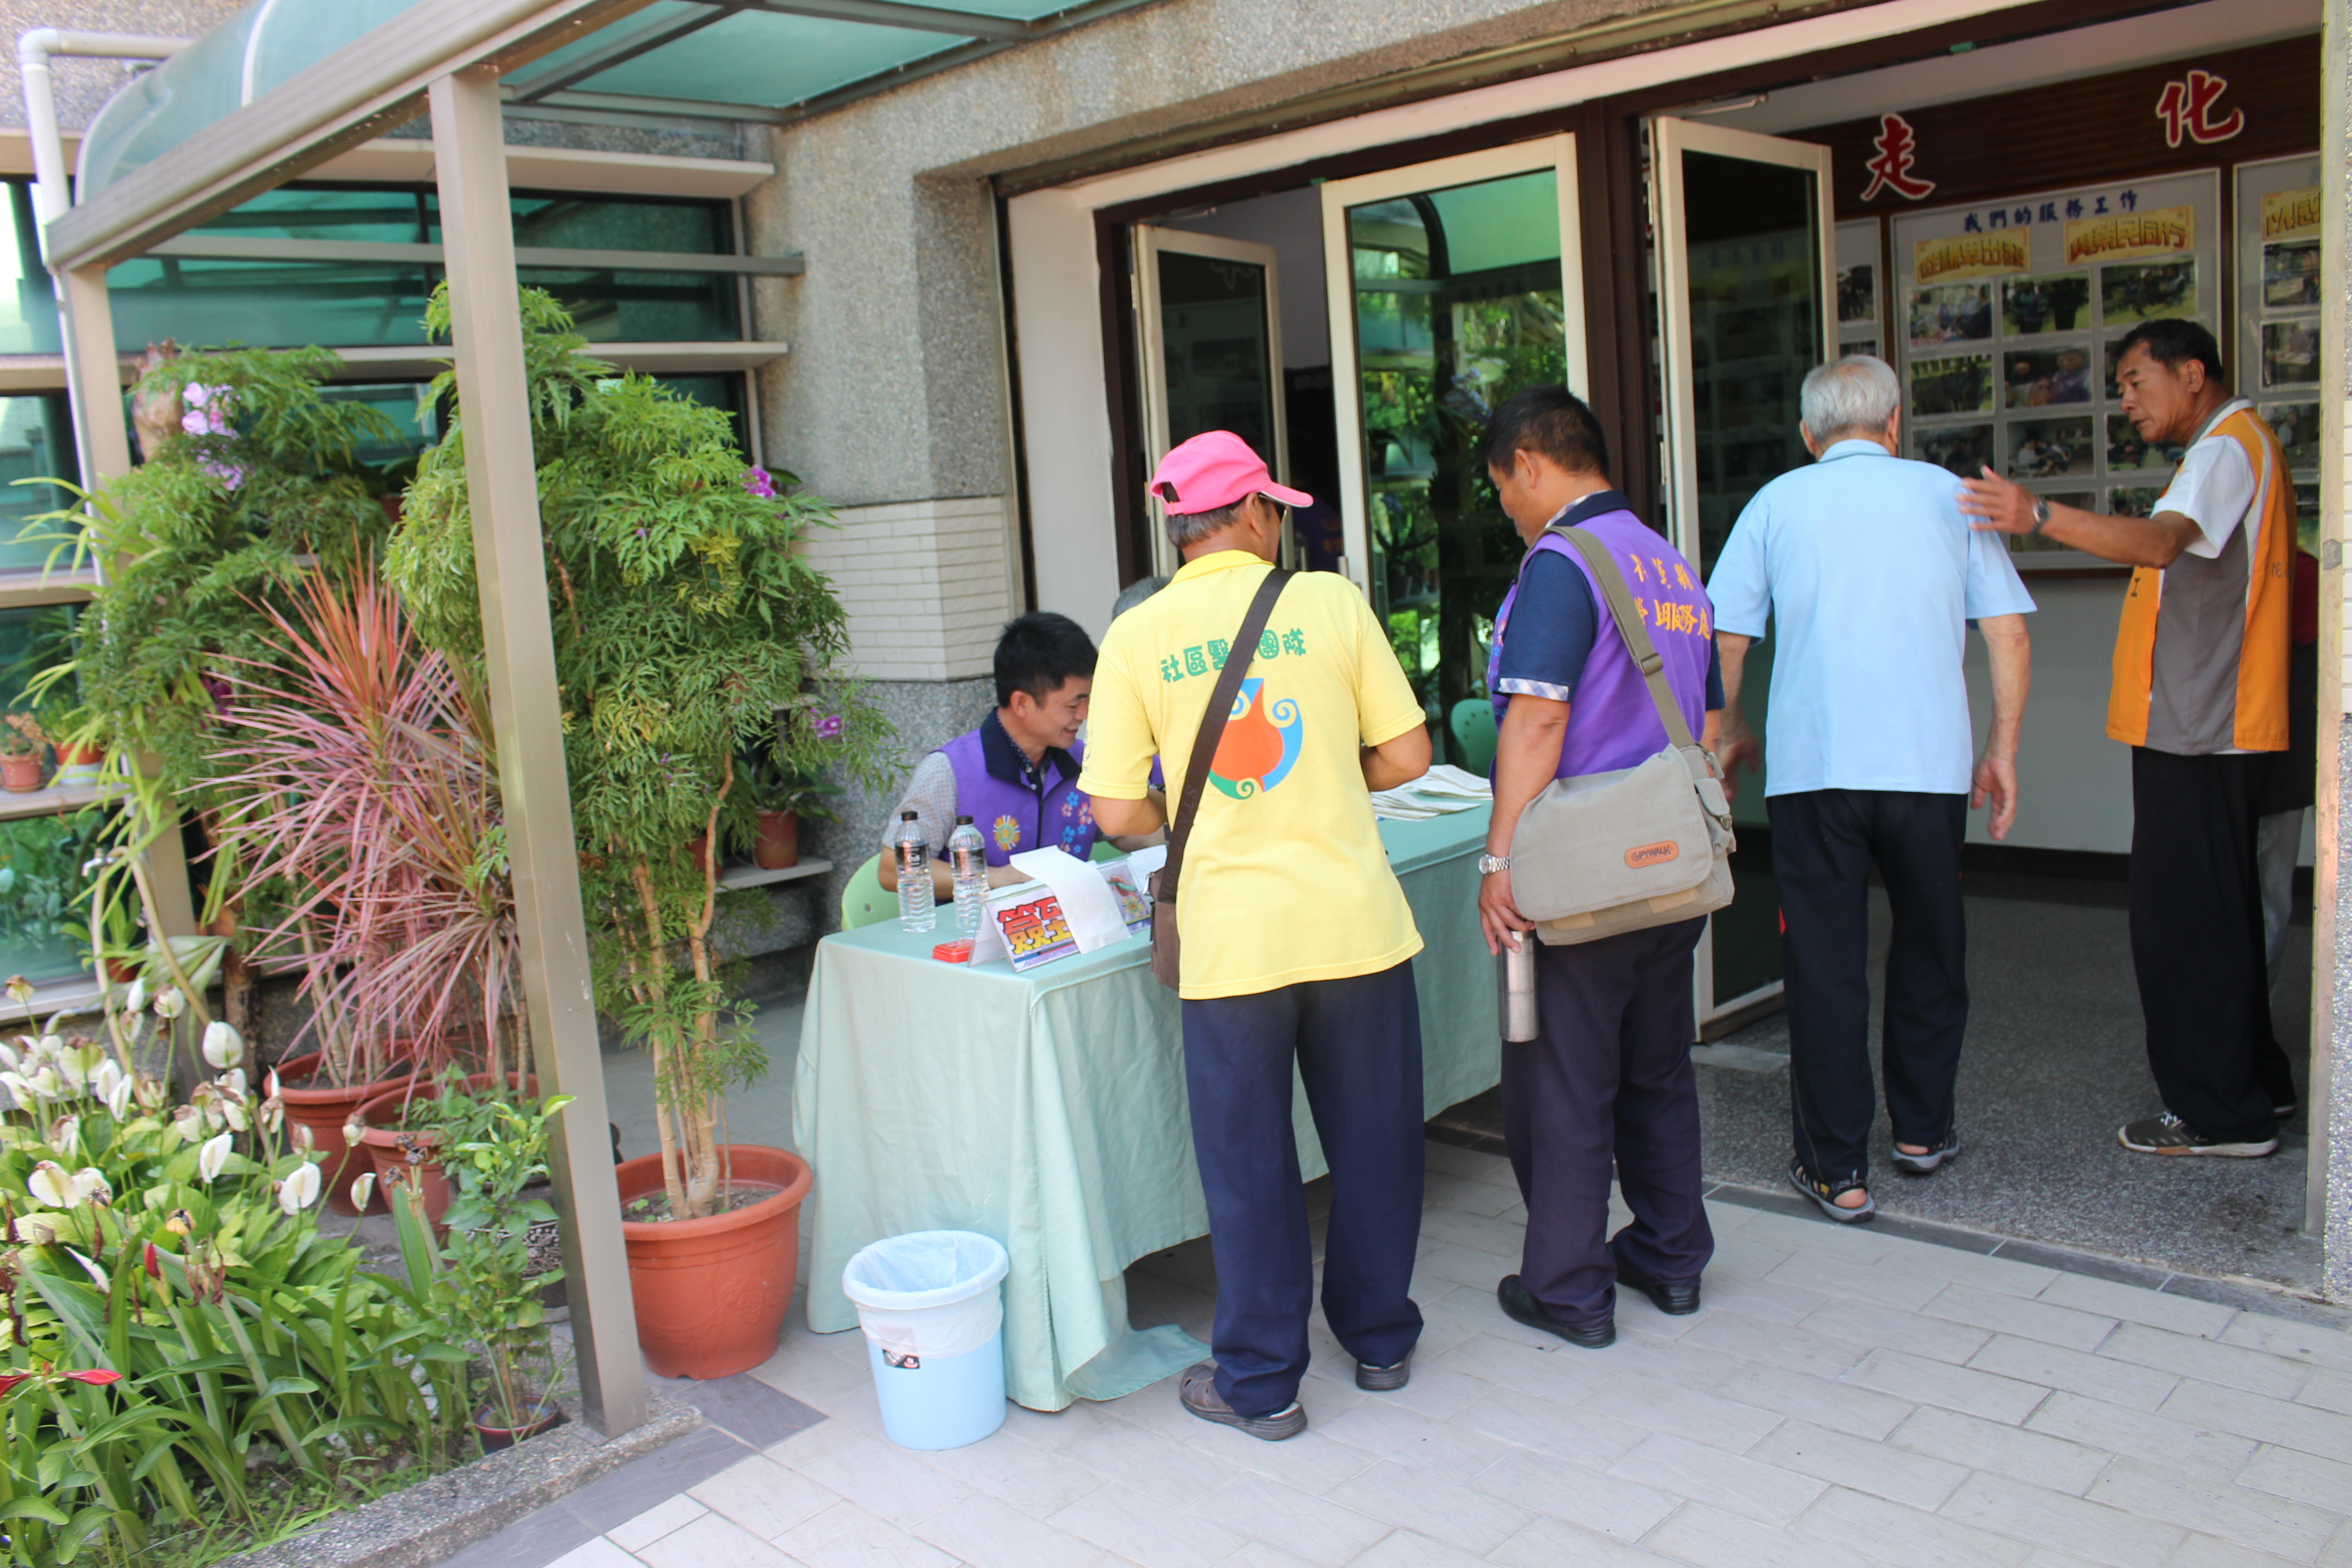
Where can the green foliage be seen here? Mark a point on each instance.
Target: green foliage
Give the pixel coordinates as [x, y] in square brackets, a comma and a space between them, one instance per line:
[185, 1343]
[687, 630]
[481, 1284]
[41, 879]
[203, 538]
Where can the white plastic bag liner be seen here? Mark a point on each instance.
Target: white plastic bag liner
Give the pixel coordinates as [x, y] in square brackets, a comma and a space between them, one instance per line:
[929, 1293]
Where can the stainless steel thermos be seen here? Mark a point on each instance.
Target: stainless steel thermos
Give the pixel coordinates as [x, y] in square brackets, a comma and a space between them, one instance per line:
[1515, 973]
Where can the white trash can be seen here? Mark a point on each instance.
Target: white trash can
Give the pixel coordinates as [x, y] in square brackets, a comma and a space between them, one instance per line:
[934, 1319]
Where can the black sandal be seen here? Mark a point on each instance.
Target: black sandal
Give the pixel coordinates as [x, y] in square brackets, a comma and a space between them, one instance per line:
[1826, 1193]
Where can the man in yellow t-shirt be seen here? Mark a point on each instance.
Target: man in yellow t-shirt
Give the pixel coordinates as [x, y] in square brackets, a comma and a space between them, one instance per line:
[1298, 942]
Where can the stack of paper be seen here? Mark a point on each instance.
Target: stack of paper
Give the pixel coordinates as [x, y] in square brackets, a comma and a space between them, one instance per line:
[1442, 789]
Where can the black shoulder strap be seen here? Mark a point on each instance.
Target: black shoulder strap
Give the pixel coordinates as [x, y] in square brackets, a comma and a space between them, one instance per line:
[1212, 724]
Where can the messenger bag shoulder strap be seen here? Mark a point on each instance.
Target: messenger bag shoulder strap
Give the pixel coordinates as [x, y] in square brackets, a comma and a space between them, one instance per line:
[1631, 626]
[1212, 724]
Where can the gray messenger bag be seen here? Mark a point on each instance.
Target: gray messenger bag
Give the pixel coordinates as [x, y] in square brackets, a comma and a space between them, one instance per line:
[1640, 846]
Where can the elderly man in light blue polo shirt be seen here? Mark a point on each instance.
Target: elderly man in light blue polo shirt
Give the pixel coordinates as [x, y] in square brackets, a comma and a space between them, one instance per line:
[1869, 575]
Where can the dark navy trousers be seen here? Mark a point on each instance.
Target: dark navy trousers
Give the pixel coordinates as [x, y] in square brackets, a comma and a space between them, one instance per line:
[1608, 1079]
[1357, 1044]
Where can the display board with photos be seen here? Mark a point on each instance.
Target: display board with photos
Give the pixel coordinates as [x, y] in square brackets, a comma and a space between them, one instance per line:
[2276, 358]
[2006, 318]
[1861, 302]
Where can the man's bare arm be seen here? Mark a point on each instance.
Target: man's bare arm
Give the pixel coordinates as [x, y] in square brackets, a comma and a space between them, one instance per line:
[2009, 651]
[2001, 506]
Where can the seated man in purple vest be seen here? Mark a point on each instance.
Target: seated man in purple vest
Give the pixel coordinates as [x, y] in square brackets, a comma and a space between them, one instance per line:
[1016, 776]
[1609, 1074]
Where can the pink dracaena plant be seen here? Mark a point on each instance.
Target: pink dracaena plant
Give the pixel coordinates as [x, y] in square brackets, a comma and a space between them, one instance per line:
[367, 778]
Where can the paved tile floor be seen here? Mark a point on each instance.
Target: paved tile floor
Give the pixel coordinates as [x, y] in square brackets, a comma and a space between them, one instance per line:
[1845, 1397]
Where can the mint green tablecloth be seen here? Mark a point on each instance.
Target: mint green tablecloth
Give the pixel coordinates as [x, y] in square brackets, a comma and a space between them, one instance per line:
[1048, 1109]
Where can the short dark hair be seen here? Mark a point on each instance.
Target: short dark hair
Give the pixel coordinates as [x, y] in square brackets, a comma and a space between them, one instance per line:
[1551, 420]
[1037, 653]
[2172, 342]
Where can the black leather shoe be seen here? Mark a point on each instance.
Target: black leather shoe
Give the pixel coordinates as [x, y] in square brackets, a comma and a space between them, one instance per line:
[1520, 1305]
[1674, 1298]
[1384, 1379]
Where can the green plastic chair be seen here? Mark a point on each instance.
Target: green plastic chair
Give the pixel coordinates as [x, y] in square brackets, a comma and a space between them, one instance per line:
[1473, 723]
[865, 900]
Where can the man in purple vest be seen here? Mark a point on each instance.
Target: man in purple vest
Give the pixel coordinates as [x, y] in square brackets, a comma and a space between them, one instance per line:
[1609, 1077]
[1016, 776]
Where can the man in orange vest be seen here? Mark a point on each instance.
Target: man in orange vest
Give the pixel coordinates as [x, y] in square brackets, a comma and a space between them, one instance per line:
[2200, 696]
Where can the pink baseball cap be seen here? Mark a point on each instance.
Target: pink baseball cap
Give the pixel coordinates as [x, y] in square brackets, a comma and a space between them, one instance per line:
[1213, 469]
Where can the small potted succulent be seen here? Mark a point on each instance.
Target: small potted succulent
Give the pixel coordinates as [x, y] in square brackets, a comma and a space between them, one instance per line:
[22, 743]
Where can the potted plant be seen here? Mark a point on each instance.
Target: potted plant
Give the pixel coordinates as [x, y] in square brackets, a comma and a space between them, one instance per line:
[486, 1285]
[22, 743]
[686, 629]
[783, 799]
[404, 1131]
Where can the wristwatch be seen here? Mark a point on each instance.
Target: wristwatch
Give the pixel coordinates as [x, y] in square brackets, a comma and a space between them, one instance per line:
[1490, 864]
[2041, 513]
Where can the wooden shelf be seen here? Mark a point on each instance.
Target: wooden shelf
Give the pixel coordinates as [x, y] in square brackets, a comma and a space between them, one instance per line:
[48, 801]
[741, 877]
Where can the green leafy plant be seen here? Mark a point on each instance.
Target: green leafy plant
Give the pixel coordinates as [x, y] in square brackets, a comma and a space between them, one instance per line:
[686, 629]
[181, 1346]
[774, 788]
[494, 1151]
[252, 479]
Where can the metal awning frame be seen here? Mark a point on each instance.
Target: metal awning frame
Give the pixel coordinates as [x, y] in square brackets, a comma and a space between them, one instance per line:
[448, 55]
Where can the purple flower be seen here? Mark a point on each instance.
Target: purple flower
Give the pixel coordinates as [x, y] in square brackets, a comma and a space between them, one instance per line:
[219, 691]
[228, 474]
[760, 482]
[828, 728]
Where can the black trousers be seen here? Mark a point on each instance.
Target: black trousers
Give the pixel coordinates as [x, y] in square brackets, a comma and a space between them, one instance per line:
[2196, 941]
[1609, 1076]
[1357, 1043]
[1823, 842]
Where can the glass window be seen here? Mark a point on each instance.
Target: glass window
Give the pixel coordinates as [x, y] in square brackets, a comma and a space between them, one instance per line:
[36, 442]
[284, 304]
[42, 886]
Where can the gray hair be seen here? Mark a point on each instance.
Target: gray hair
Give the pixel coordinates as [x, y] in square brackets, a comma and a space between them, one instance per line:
[1191, 527]
[1857, 392]
[1135, 593]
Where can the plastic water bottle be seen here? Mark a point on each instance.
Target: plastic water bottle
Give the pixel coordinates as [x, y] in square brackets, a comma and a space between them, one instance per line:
[967, 864]
[915, 911]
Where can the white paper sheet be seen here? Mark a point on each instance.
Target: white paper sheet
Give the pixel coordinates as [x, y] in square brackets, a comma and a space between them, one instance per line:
[1087, 904]
[1145, 861]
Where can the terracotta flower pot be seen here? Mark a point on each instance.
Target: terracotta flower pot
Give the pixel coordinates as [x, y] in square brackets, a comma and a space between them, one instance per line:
[381, 1141]
[323, 1108]
[21, 774]
[711, 1293]
[778, 844]
[70, 756]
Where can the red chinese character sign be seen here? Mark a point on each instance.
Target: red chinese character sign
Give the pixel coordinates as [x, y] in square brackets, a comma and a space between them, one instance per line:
[2189, 107]
[1898, 148]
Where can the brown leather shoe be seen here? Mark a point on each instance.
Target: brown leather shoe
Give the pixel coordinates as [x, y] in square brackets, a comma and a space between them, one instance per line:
[1197, 1387]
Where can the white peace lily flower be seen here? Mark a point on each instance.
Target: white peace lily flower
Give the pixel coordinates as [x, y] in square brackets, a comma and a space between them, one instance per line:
[118, 1098]
[300, 1190]
[9, 1059]
[34, 1231]
[304, 1139]
[93, 1271]
[224, 1047]
[50, 1186]
[213, 1158]
[135, 999]
[80, 1062]
[65, 1134]
[361, 1191]
[89, 1183]
[170, 1004]
[20, 1088]
[188, 1122]
[149, 1091]
[232, 1081]
[106, 1078]
[236, 1113]
[273, 1116]
[46, 1084]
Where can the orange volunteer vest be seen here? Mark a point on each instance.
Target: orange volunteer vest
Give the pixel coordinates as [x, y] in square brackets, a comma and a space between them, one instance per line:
[2260, 720]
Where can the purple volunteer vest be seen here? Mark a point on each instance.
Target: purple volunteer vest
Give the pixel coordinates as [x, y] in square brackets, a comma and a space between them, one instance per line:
[1007, 813]
[1612, 723]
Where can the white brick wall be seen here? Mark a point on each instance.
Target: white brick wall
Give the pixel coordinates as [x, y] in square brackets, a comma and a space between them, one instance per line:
[925, 584]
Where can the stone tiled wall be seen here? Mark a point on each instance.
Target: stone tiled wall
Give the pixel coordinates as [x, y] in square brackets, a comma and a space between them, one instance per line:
[925, 582]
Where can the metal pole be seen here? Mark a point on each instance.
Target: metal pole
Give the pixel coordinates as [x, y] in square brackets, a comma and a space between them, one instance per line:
[2328, 1192]
[469, 158]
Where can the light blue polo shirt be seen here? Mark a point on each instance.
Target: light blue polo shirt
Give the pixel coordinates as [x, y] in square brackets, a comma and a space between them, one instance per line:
[1869, 574]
